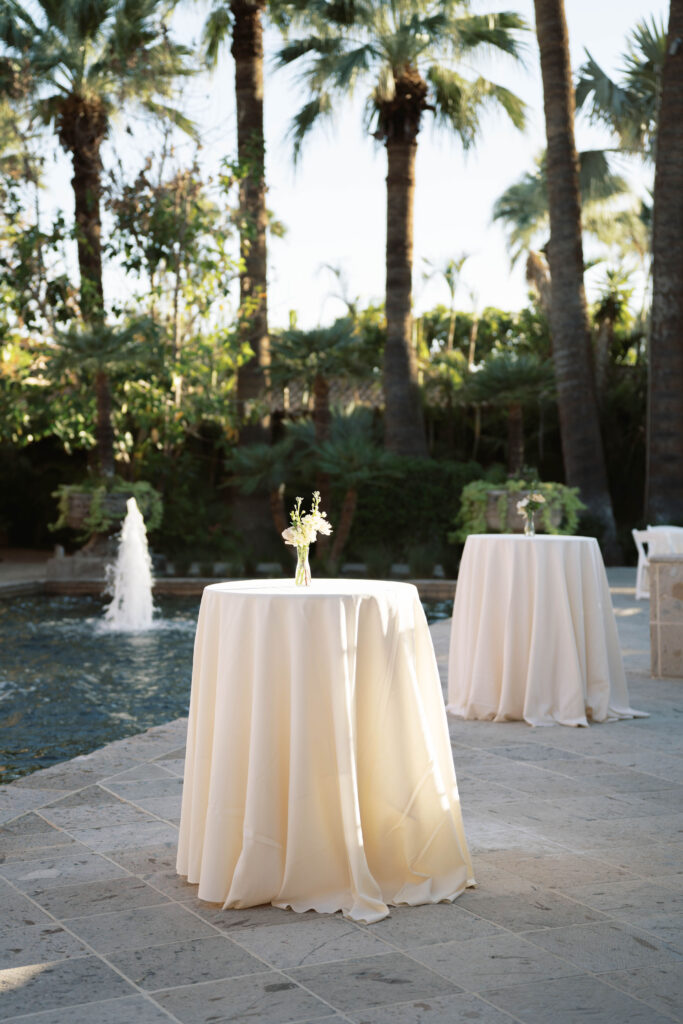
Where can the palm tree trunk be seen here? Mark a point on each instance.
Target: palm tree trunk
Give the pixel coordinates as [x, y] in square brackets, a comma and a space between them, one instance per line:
[474, 330]
[348, 510]
[538, 277]
[82, 131]
[582, 449]
[104, 430]
[515, 439]
[247, 50]
[664, 486]
[477, 433]
[604, 340]
[87, 188]
[404, 426]
[276, 500]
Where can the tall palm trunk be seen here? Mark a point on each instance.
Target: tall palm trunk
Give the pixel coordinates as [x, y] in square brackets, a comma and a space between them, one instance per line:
[582, 449]
[404, 426]
[664, 487]
[82, 127]
[247, 50]
[515, 438]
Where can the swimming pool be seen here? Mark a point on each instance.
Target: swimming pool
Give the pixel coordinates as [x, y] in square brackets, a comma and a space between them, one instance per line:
[67, 686]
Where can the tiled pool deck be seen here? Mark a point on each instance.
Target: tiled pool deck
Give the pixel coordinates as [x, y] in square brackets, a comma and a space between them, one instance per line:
[577, 841]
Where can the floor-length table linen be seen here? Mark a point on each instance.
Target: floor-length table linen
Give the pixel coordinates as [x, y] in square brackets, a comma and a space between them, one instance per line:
[534, 636]
[318, 771]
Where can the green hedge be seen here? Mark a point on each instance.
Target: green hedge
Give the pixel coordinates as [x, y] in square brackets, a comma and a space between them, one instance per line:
[413, 508]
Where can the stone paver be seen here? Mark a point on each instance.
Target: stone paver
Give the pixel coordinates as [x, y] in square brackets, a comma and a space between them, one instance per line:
[577, 842]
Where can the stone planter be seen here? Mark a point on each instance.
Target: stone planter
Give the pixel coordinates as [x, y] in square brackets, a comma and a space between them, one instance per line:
[79, 502]
[666, 615]
[513, 522]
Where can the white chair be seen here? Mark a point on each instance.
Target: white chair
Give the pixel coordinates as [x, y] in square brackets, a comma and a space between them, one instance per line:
[660, 540]
[666, 540]
[642, 583]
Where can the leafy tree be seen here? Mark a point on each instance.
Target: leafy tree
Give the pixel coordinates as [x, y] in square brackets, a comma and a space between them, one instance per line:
[410, 54]
[579, 424]
[85, 61]
[172, 231]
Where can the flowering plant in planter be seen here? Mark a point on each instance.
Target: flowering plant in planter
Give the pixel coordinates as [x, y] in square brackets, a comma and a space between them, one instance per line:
[480, 498]
[98, 506]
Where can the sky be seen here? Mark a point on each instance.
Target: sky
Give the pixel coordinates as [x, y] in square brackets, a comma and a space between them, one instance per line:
[333, 202]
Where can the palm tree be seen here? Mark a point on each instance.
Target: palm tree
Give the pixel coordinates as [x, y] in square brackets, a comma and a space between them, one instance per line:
[241, 21]
[450, 272]
[523, 207]
[258, 467]
[408, 53]
[610, 310]
[584, 459]
[629, 108]
[86, 60]
[94, 353]
[512, 381]
[664, 487]
[314, 358]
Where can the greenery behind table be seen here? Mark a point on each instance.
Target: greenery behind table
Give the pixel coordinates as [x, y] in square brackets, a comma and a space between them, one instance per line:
[411, 509]
[559, 514]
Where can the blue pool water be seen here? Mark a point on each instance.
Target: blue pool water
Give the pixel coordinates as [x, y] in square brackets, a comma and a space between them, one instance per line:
[67, 686]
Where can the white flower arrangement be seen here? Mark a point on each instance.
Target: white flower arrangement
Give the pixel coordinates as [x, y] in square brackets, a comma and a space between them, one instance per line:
[529, 505]
[306, 525]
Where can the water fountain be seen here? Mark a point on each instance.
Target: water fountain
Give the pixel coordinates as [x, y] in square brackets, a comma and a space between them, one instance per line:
[129, 579]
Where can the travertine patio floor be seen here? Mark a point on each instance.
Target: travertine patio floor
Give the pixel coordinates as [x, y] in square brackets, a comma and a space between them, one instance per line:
[577, 842]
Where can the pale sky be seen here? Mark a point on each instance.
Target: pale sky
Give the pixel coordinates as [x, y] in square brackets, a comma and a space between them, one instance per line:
[333, 203]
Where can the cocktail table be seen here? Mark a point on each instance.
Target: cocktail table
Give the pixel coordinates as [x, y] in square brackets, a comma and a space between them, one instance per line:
[534, 635]
[318, 772]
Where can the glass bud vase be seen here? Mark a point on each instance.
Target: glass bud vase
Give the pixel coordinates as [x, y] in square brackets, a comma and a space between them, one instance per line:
[529, 528]
[303, 569]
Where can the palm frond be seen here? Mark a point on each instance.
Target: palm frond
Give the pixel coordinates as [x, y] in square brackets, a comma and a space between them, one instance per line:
[608, 101]
[495, 31]
[17, 28]
[459, 102]
[310, 45]
[523, 206]
[164, 112]
[507, 377]
[523, 209]
[311, 113]
[217, 28]
[628, 108]
[597, 182]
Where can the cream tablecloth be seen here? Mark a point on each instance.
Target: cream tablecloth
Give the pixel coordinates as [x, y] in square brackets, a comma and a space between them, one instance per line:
[534, 635]
[318, 772]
